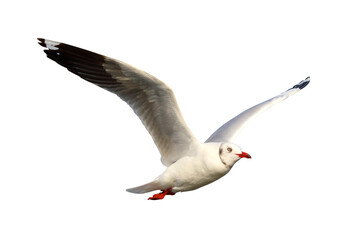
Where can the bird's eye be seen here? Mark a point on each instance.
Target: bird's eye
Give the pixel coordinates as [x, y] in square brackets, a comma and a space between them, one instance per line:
[229, 149]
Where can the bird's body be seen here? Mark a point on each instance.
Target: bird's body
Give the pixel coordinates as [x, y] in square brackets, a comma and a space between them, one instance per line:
[190, 173]
[190, 164]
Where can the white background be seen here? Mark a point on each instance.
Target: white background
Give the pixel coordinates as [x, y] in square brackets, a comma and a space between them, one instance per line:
[70, 149]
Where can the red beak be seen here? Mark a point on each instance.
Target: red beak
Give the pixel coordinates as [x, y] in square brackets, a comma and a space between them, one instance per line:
[244, 155]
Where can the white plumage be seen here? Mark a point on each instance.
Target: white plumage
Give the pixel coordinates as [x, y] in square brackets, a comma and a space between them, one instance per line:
[190, 164]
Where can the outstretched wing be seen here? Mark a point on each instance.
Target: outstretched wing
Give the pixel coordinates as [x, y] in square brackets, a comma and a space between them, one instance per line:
[229, 131]
[152, 101]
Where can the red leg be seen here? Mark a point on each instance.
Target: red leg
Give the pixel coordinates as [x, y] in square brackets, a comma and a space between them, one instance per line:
[161, 195]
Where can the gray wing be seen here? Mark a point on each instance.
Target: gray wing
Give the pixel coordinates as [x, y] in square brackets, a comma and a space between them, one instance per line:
[152, 101]
[230, 130]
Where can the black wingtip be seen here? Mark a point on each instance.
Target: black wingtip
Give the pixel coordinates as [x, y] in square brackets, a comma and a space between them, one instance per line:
[41, 42]
[302, 84]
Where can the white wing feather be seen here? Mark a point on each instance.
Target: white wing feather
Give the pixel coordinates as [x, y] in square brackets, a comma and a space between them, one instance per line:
[230, 130]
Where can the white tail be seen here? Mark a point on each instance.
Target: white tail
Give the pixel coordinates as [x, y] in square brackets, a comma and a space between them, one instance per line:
[152, 186]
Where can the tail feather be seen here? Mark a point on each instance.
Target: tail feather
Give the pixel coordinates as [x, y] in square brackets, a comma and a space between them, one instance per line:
[152, 186]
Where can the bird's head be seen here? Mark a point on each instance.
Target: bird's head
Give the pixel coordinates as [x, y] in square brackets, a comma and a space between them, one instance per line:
[230, 153]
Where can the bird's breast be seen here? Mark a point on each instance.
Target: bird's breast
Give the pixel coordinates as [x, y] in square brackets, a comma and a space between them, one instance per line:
[194, 172]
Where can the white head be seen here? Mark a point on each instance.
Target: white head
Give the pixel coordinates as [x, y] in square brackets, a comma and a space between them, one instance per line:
[230, 153]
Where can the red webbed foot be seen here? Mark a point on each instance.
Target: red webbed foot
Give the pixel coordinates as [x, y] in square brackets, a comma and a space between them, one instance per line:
[161, 195]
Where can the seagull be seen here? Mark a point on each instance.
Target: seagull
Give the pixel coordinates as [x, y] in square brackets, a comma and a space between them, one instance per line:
[190, 164]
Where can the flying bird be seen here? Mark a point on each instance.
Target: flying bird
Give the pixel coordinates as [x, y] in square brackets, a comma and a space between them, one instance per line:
[190, 164]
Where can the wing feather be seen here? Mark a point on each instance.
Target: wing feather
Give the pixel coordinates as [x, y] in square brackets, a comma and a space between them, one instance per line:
[152, 101]
[230, 130]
